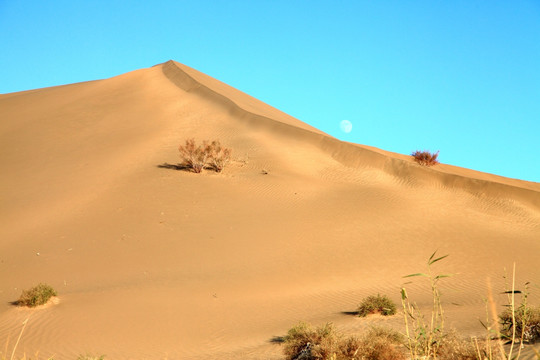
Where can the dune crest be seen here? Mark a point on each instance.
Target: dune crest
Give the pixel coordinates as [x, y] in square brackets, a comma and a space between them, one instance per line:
[258, 114]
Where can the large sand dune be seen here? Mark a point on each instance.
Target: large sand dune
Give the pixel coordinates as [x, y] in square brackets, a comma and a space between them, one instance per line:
[154, 263]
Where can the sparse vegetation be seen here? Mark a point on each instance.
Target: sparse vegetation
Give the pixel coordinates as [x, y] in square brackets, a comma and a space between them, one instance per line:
[209, 155]
[38, 295]
[381, 344]
[91, 357]
[379, 304]
[424, 338]
[527, 323]
[425, 157]
[520, 322]
[305, 342]
[324, 343]
[455, 347]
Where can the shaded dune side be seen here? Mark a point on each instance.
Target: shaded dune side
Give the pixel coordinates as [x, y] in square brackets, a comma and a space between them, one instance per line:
[260, 115]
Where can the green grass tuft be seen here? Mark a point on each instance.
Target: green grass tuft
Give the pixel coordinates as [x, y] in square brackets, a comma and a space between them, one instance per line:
[38, 295]
[379, 304]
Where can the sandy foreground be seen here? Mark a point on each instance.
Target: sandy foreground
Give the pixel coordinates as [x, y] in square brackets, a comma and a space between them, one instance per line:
[152, 263]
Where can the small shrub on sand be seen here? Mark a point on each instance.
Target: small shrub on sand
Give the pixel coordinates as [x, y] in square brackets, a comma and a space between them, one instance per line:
[308, 343]
[324, 343]
[219, 156]
[454, 347]
[208, 155]
[91, 357]
[425, 157]
[38, 295]
[376, 305]
[381, 344]
[527, 323]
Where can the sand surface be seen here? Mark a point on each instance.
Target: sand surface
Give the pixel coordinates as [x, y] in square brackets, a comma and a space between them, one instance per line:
[152, 263]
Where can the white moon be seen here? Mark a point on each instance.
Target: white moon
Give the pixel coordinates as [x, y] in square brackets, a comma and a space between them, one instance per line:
[345, 126]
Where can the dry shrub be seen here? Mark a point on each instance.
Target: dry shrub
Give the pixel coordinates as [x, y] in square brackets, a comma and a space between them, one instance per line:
[208, 155]
[38, 295]
[350, 348]
[527, 322]
[303, 342]
[308, 343]
[381, 344]
[219, 156]
[379, 304]
[453, 347]
[91, 357]
[425, 157]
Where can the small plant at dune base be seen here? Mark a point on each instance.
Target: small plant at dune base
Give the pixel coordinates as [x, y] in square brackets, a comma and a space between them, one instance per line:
[527, 323]
[209, 155]
[91, 357]
[455, 347]
[520, 322]
[38, 295]
[376, 305]
[425, 157]
[303, 342]
[381, 344]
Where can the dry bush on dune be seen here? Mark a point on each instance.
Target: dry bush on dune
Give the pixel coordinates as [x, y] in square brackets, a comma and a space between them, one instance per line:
[455, 347]
[208, 155]
[219, 156]
[381, 344]
[425, 157]
[38, 295]
[303, 342]
[91, 357]
[379, 304]
[521, 322]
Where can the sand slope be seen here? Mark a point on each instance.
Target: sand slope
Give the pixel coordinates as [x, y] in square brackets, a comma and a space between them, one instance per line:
[151, 262]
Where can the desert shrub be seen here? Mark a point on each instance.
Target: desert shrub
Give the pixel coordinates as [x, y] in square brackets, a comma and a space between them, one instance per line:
[376, 305]
[208, 155]
[219, 156]
[527, 323]
[454, 347]
[349, 348]
[305, 342]
[425, 157]
[381, 344]
[91, 357]
[38, 295]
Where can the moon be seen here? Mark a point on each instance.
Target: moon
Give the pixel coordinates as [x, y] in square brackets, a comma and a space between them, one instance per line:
[345, 126]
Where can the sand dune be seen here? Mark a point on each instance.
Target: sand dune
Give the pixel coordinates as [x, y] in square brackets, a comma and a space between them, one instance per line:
[151, 262]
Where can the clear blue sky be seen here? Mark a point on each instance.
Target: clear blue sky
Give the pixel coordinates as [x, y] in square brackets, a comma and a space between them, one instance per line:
[462, 77]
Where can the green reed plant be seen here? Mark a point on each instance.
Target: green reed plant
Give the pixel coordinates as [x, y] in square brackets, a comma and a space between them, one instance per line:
[424, 337]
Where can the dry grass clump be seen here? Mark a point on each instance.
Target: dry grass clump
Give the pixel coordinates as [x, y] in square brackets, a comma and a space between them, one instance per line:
[303, 342]
[206, 156]
[38, 295]
[376, 305]
[425, 157]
